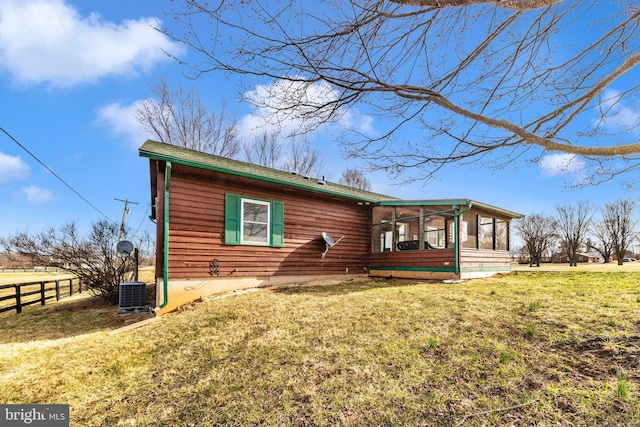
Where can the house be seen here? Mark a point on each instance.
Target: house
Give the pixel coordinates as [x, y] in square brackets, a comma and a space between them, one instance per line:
[223, 224]
[581, 258]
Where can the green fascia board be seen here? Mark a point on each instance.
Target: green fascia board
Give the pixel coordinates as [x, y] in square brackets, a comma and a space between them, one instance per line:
[454, 203]
[434, 269]
[187, 157]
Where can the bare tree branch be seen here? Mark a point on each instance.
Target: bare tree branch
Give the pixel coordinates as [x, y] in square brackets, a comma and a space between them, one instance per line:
[511, 4]
[479, 80]
[180, 118]
[353, 177]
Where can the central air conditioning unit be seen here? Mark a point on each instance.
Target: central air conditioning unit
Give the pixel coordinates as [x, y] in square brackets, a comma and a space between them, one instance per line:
[133, 297]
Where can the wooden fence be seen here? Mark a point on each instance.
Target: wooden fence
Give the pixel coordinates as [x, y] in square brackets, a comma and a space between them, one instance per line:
[32, 269]
[25, 294]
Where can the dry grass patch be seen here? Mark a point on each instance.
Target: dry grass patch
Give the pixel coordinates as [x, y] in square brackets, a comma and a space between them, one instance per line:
[520, 349]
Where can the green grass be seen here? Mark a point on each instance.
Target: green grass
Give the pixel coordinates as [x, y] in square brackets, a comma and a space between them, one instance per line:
[353, 354]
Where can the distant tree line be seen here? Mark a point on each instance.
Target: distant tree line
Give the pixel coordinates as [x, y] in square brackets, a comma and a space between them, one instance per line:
[577, 228]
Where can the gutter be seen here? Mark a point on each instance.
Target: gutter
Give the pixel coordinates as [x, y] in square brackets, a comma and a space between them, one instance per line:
[165, 234]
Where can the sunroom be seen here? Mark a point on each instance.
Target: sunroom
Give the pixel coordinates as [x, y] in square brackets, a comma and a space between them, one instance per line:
[439, 239]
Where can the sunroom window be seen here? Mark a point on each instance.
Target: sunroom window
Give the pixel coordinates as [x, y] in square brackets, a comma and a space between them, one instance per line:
[434, 232]
[502, 235]
[485, 232]
[407, 236]
[469, 230]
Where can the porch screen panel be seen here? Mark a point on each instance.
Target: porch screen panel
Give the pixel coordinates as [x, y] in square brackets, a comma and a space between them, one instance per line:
[485, 232]
[435, 230]
[502, 235]
[382, 238]
[382, 229]
[407, 227]
[469, 230]
[407, 234]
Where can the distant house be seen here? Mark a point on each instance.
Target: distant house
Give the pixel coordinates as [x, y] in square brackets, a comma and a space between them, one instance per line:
[581, 258]
[224, 224]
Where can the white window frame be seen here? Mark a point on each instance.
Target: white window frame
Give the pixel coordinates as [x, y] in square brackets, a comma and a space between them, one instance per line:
[242, 221]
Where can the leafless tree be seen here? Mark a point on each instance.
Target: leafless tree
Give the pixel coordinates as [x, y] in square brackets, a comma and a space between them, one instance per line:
[620, 225]
[603, 244]
[486, 80]
[263, 150]
[303, 159]
[266, 150]
[92, 258]
[572, 226]
[353, 177]
[180, 118]
[538, 233]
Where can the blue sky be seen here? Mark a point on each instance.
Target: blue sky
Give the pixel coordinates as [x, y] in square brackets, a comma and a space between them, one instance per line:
[70, 72]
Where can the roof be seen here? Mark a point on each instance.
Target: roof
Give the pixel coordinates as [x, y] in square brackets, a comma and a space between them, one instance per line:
[180, 155]
[184, 156]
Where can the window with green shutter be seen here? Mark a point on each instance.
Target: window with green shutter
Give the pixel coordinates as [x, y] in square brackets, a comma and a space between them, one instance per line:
[250, 221]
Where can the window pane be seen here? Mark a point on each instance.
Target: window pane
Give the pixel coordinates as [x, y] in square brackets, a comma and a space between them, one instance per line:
[382, 214]
[254, 232]
[502, 235]
[434, 232]
[408, 234]
[256, 212]
[469, 230]
[485, 232]
[407, 211]
[382, 238]
[436, 209]
[255, 222]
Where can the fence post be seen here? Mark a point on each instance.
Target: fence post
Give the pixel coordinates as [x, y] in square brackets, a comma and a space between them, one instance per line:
[42, 300]
[18, 300]
[57, 290]
[70, 287]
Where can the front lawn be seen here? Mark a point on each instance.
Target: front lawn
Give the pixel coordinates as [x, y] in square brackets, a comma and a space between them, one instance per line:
[541, 348]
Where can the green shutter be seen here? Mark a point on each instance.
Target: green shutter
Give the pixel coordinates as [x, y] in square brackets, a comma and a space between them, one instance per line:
[277, 224]
[232, 219]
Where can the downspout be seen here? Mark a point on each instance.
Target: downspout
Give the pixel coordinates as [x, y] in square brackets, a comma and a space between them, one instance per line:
[165, 236]
[456, 238]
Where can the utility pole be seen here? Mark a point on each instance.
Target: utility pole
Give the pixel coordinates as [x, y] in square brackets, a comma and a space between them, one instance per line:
[124, 214]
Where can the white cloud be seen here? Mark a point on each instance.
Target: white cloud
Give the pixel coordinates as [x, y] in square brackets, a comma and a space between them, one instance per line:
[298, 106]
[121, 120]
[47, 41]
[37, 195]
[618, 115]
[561, 164]
[12, 168]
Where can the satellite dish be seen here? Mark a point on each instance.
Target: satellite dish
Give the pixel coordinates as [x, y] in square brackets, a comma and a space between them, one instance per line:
[329, 242]
[327, 238]
[124, 247]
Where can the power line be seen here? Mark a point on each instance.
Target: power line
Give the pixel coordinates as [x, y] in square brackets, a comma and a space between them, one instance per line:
[55, 174]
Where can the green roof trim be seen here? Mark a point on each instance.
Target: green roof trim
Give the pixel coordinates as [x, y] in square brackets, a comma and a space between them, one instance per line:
[454, 203]
[184, 156]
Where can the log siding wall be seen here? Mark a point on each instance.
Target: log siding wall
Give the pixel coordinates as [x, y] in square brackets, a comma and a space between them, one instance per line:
[196, 229]
[436, 258]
